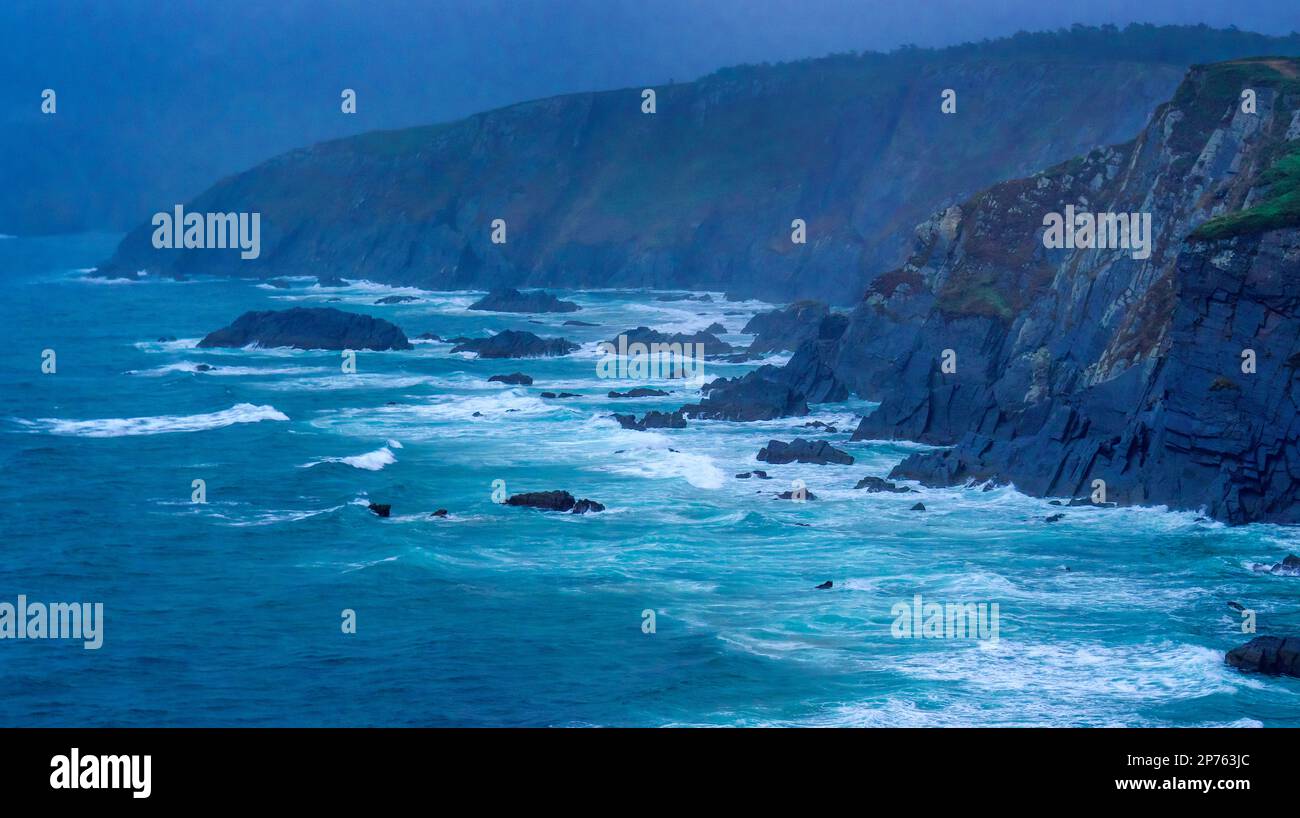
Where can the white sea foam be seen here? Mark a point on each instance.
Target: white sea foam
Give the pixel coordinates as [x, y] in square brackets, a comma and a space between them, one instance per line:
[162, 424]
[223, 371]
[370, 461]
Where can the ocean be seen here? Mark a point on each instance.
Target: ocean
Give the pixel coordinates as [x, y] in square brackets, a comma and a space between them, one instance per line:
[231, 612]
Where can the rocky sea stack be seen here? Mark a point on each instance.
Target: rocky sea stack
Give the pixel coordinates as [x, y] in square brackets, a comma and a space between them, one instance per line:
[309, 328]
[516, 344]
[511, 300]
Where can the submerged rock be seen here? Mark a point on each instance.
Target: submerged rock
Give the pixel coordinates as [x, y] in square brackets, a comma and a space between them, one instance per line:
[397, 299]
[791, 495]
[918, 507]
[561, 395]
[554, 501]
[309, 328]
[758, 474]
[825, 585]
[514, 379]
[1272, 655]
[442, 512]
[382, 509]
[511, 300]
[1288, 567]
[800, 450]
[573, 323]
[516, 344]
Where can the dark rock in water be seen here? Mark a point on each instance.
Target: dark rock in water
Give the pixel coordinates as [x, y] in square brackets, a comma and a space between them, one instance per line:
[789, 328]
[428, 336]
[759, 395]
[803, 451]
[330, 281]
[716, 329]
[166, 339]
[1053, 518]
[639, 392]
[516, 344]
[554, 501]
[1288, 567]
[647, 336]
[825, 585]
[561, 395]
[572, 323]
[511, 300]
[918, 507]
[477, 415]
[756, 473]
[332, 300]
[514, 379]
[397, 299]
[204, 368]
[1236, 606]
[1087, 501]
[791, 495]
[309, 328]
[652, 420]
[382, 509]
[826, 427]
[278, 283]
[442, 512]
[1054, 502]
[875, 484]
[1273, 655]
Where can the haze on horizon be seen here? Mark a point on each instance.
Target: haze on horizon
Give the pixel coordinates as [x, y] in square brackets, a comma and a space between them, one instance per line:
[159, 99]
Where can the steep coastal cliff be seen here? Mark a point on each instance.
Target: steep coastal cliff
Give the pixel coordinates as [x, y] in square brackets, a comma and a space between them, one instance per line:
[1171, 377]
[701, 193]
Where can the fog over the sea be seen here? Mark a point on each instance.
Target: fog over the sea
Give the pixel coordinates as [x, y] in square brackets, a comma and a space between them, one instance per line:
[156, 99]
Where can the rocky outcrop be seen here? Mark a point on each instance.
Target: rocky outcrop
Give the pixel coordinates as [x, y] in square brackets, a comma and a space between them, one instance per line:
[759, 395]
[652, 420]
[803, 451]
[380, 509]
[309, 328]
[554, 501]
[511, 300]
[1272, 655]
[788, 328]
[396, 299]
[875, 485]
[647, 336]
[1054, 368]
[638, 392]
[516, 344]
[513, 379]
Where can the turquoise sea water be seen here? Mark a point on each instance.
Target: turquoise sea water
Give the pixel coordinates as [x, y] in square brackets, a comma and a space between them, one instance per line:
[229, 612]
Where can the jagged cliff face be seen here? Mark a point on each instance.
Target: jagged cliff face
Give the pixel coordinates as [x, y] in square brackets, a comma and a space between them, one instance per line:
[1080, 364]
[700, 194]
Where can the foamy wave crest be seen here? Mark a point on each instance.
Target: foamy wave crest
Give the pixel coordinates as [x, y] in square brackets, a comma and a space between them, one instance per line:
[162, 424]
[227, 371]
[370, 461]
